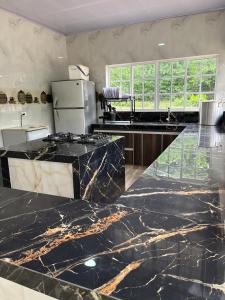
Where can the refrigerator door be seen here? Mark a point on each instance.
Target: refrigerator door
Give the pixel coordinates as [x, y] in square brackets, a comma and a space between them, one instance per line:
[90, 107]
[69, 94]
[70, 120]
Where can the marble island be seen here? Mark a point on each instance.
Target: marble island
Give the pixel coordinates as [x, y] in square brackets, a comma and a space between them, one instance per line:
[162, 239]
[80, 171]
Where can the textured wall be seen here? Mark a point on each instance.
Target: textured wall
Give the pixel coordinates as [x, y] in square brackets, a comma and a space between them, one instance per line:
[28, 61]
[184, 36]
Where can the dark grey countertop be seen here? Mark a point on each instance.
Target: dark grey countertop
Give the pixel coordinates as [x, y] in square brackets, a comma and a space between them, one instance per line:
[162, 239]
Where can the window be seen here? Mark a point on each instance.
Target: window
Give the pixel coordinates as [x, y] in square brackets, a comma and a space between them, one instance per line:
[179, 84]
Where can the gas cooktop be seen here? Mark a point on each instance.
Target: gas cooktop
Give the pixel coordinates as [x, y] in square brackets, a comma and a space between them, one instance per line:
[61, 137]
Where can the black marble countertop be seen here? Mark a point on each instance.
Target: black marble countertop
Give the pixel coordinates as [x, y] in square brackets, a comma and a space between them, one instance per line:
[142, 126]
[59, 152]
[162, 239]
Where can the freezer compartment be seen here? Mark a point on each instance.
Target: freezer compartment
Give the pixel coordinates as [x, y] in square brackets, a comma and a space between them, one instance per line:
[69, 94]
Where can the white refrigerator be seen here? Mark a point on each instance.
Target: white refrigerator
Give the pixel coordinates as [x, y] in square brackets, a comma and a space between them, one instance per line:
[74, 105]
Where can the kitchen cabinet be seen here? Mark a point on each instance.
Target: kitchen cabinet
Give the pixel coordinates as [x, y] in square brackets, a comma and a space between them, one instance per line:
[142, 148]
[152, 148]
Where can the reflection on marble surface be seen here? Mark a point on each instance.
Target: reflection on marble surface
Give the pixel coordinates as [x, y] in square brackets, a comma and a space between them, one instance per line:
[162, 239]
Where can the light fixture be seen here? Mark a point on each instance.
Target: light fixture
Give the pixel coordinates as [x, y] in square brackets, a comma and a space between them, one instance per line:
[90, 263]
[60, 57]
[161, 44]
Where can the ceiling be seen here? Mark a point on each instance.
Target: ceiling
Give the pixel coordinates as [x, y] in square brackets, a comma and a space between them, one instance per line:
[72, 16]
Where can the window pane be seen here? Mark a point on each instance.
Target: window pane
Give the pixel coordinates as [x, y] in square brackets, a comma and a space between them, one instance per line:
[166, 69]
[165, 85]
[178, 85]
[179, 68]
[177, 101]
[115, 84]
[204, 97]
[209, 66]
[208, 83]
[192, 101]
[121, 105]
[149, 70]
[138, 101]
[194, 67]
[149, 86]
[193, 84]
[164, 101]
[125, 87]
[149, 101]
[115, 74]
[138, 71]
[138, 87]
[125, 73]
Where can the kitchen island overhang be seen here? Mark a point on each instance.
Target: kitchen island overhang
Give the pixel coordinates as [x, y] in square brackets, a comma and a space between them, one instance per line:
[90, 172]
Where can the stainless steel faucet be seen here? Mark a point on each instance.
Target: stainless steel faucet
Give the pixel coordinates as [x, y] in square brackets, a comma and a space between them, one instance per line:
[22, 114]
[169, 115]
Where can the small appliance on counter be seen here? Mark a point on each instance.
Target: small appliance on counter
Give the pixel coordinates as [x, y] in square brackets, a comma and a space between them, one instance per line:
[74, 105]
[210, 112]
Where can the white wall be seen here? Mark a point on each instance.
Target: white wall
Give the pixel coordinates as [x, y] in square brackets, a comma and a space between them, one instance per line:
[29, 62]
[194, 35]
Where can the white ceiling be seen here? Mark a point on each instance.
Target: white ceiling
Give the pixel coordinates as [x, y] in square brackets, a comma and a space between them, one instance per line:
[71, 16]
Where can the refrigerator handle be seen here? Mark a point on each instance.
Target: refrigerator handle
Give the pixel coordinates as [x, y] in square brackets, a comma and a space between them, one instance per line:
[57, 113]
[56, 101]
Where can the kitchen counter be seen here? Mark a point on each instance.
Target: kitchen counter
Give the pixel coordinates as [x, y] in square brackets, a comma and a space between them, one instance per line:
[51, 151]
[144, 126]
[162, 239]
[27, 128]
[80, 171]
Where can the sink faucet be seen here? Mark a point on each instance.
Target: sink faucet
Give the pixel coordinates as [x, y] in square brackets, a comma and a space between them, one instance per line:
[22, 114]
[169, 115]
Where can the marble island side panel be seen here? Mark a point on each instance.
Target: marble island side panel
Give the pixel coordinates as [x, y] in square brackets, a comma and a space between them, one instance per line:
[41, 177]
[87, 172]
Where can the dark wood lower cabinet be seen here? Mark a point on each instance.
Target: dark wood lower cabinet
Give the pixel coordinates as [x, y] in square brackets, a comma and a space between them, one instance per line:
[142, 148]
[167, 140]
[129, 157]
[152, 148]
[138, 149]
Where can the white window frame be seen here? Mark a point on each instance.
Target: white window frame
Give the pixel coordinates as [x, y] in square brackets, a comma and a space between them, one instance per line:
[157, 80]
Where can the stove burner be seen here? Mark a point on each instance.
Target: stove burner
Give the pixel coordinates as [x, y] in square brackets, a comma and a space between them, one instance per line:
[94, 139]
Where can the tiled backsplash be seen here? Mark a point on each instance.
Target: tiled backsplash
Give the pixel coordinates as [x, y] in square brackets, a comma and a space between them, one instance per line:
[37, 114]
[31, 56]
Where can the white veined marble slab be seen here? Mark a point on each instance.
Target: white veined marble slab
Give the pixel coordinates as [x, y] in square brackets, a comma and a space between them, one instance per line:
[41, 176]
[10, 290]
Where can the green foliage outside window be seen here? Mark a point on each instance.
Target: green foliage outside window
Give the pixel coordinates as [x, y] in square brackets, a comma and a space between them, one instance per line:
[179, 84]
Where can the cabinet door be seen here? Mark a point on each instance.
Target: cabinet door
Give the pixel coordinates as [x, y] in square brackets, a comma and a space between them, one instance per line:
[138, 149]
[167, 140]
[129, 160]
[129, 143]
[152, 147]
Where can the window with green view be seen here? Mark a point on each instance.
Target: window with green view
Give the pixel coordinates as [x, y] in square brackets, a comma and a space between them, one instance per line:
[178, 84]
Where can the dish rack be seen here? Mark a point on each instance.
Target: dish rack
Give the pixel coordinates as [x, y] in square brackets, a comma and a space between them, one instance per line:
[108, 102]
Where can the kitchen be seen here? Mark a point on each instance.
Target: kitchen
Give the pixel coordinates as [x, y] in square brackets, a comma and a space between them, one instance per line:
[112, 160]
